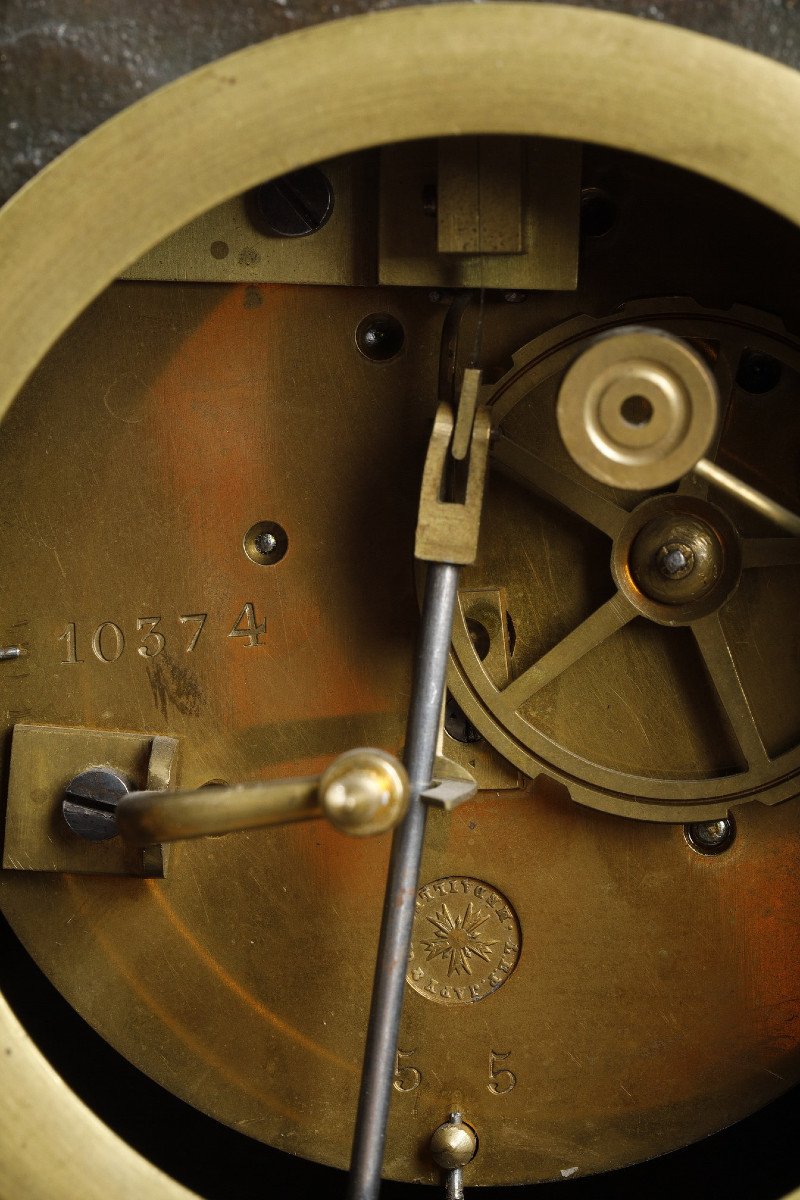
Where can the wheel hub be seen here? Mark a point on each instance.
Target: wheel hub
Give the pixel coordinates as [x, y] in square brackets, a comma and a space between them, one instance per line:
[677, 559]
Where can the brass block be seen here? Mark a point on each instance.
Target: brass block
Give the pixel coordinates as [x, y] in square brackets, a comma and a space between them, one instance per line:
[43, 761]
[410, 239]
[447, 531]
[230, 244]
[479, 196]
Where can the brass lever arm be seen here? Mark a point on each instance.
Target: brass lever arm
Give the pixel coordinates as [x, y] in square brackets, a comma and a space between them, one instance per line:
[362, 792]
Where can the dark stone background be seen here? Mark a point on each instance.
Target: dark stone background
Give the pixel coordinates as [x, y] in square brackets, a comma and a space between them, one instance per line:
[67, 65]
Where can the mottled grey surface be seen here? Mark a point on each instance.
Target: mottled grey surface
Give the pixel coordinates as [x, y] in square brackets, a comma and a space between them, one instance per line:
[66, 66]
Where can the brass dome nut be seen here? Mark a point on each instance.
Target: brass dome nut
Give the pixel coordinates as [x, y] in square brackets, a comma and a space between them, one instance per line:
[364, 792]
[453, 1145]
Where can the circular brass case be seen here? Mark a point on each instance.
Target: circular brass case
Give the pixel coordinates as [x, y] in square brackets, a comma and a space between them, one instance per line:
[558, 73]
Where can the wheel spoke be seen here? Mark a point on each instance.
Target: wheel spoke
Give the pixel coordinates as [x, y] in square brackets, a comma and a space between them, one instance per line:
[597, 628]
[716, 652]
[525, 467]
[770, 552]
[692, 485]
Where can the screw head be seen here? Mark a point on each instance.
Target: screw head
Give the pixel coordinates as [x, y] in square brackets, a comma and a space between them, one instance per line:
[675, 560]
[90, 802]
[711, 837]
[297, 204]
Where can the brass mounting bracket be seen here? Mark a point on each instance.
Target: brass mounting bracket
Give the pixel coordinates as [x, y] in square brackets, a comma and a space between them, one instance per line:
[447, 530]
[43, 761]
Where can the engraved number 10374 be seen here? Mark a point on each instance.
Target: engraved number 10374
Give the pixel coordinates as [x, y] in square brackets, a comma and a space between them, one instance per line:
[107, 643]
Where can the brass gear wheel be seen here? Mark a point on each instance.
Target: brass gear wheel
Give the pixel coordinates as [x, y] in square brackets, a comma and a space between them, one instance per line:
[646, 689]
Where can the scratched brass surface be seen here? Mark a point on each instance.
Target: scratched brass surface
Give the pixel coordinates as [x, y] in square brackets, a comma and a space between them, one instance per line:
[657, 992]
[195, 417]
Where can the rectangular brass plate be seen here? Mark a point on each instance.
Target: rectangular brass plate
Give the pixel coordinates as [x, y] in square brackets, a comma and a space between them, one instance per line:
[408, 245]
[43, 761]
[228, 244]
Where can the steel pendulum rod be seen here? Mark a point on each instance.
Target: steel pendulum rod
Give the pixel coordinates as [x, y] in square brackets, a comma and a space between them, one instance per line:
[401, 888]
[447, 538]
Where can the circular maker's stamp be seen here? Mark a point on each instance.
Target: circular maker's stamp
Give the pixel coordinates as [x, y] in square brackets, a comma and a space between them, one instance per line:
[466, 941]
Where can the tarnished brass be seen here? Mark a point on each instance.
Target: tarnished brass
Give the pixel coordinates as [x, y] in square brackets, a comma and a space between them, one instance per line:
[447, 529]
[485, 612]
[453, 1145]
[54, 1147]
[465, 417]
[479, 196]
[231, 244]
[412, 240]
[726, 735]
[712, 473]
[289, 913]
[300, 896]
[43, 760]
[638, 408]
[709, 549]
[362, 792]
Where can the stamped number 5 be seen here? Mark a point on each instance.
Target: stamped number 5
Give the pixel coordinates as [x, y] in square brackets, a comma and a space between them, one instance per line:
[501, 1080]
[406, 1077]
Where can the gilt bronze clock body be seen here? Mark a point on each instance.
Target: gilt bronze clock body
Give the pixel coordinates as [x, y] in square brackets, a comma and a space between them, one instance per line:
[217, 410]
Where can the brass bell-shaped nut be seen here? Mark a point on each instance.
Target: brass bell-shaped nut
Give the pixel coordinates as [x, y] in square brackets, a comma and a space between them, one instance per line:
[364, 792]
[453, 1145]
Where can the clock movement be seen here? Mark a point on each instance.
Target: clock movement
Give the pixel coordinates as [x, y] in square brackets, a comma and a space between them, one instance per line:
[399, 638]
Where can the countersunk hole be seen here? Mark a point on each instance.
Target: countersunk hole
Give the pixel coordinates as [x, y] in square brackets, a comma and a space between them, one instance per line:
[380, 337]
[265, 543]
[479, 636]
[458, 725]
[598, 213]
[758, 373]
[636, 410]
[711, 837]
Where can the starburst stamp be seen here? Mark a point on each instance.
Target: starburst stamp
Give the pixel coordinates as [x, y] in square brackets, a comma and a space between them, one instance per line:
[466, 941]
